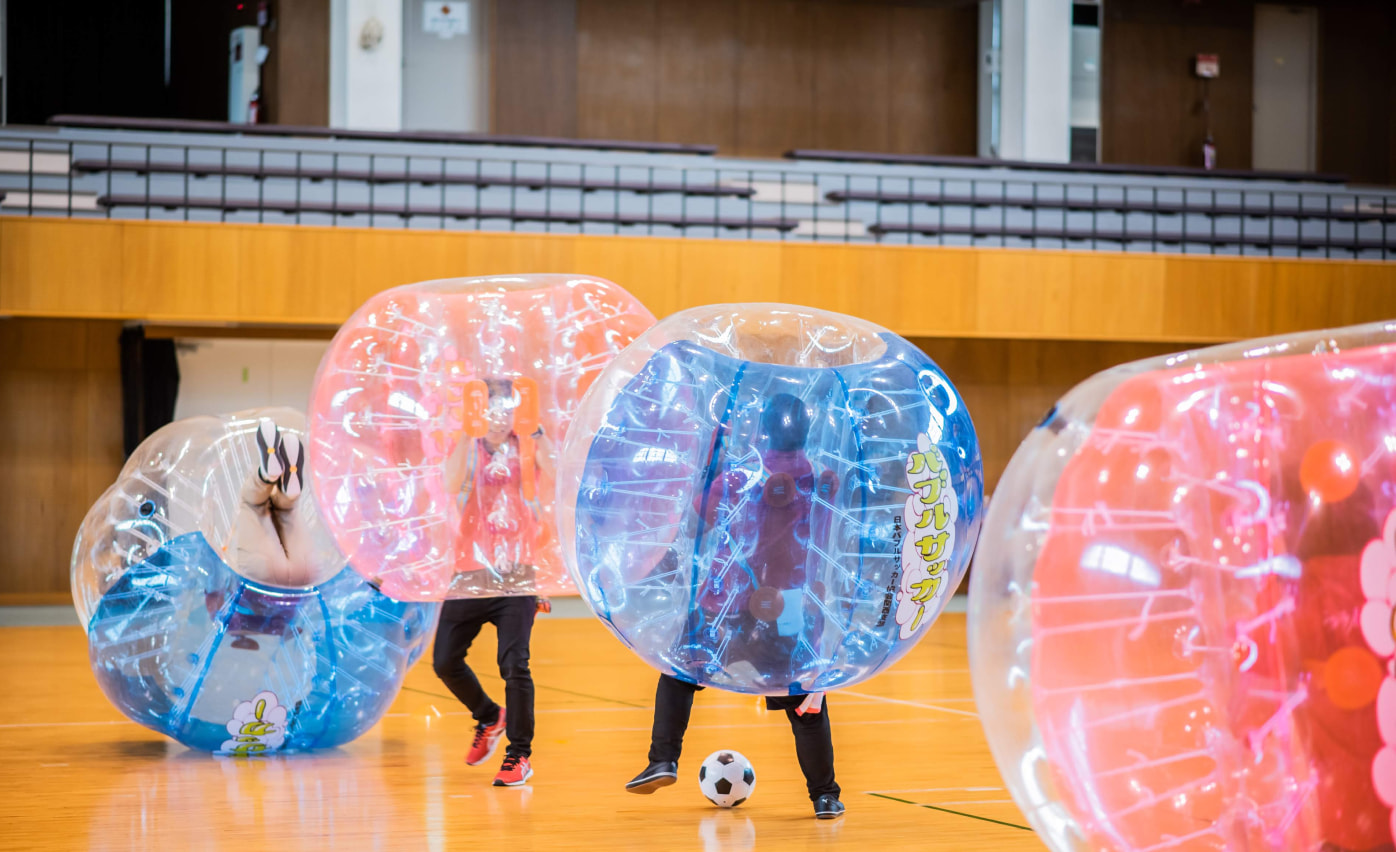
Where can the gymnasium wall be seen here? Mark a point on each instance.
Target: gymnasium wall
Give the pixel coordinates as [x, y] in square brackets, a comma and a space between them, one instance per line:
[755, 77]
[1008, 385]
[60, 445]
[186, 272]
[60, 435]
[1014, 329]
[1151, 103]
[296, 76]
[218, 375]
[1357, 90]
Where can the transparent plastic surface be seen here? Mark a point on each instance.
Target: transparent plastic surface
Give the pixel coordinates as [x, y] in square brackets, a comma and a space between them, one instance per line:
[435, 422]
[189, 477]
[770, 499]
[1181, 616]
[184, 644]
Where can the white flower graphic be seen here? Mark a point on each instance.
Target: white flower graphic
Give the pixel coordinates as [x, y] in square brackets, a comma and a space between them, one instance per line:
[257, 727]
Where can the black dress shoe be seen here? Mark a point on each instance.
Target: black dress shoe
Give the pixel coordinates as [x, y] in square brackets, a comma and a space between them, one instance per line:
[828, 807]
[660, 773]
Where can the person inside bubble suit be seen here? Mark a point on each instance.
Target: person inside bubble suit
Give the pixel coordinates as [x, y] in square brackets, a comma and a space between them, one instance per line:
[751, 602]
[500, 532]
[500, 525]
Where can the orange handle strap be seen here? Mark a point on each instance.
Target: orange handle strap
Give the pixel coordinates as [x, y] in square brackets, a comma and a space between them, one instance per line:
[475, 397]
[525, 424]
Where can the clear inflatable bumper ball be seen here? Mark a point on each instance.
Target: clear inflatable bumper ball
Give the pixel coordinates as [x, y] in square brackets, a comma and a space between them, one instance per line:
[435, 423]
[217, 608]
[1181, 618]
[770, 499]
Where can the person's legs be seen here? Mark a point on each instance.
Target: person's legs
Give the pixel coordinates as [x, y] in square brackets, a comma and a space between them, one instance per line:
[814, 745]
[513, 620]
[673, 704]
[461, 621]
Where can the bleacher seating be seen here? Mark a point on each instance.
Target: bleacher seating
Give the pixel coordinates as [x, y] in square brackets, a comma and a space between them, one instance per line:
[179, 125]
[207, 171]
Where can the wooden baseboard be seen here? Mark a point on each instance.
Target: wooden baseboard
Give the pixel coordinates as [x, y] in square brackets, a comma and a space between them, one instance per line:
[35, 598]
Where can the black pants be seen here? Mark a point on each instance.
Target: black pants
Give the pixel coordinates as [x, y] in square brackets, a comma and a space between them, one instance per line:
[814, 743]
[512, 618]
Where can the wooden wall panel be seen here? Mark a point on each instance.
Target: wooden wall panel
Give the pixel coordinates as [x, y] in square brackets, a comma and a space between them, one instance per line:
[755, 77]
[190, 272]
[296, 276]
[1097, 280]
[60, 445]
[60, 267]
[938, 293]
[533, 56]
[933, 61]
[1008, 385]
[697, 73]
[617, 54]
[1357, 90]
[1024, 296]
[299, 81]
[775, 95]
[377, 261]
[1211, 299]
[720, 271]
[852, 77]
[510, 254]
[917, 292]
[1151, 103]
[649, 267]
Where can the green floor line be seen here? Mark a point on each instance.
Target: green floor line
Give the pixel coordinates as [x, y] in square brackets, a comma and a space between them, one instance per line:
[950, 811]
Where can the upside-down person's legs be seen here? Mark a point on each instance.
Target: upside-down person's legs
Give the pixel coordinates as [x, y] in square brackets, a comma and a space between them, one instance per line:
[260, 554]
[295, 538]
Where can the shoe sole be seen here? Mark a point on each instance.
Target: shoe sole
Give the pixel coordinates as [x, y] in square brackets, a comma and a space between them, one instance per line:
[520, 783]
[494, 747]
[292, 481]
[269, 451]
[644, 788]
[827, 814]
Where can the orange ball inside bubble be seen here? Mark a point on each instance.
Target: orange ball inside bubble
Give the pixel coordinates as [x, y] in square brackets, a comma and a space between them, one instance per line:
[1329, 472]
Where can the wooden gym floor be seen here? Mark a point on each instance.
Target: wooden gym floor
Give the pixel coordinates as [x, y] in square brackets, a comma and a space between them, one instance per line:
[912, 761]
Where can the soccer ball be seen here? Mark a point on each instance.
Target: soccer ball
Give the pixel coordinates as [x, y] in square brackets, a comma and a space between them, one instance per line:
[726, 778]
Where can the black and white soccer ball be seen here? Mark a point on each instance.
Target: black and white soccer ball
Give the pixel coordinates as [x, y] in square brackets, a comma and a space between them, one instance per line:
[726, 778]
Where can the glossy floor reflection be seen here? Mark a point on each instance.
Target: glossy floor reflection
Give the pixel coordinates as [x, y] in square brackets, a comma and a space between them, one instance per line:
[911, 759]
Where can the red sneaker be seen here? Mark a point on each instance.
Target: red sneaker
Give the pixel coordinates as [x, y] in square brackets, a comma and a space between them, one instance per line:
[514, 773]
[486, 741]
